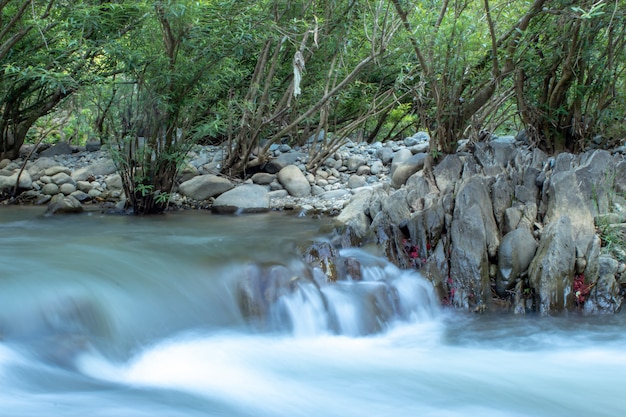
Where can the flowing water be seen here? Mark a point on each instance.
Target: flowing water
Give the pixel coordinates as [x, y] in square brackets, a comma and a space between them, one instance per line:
[123, 316]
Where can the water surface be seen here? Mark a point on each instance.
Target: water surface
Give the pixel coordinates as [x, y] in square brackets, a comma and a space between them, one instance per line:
[124, 316]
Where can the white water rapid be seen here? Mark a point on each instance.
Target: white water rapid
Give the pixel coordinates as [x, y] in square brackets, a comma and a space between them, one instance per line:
[194, 315]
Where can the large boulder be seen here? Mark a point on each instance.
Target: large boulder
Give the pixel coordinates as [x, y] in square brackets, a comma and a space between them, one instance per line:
[447, 173]
[8, 182]
[475, 239]
[353, 217]
[294, 181]
[100, 168]
[61, 148]
[514, 256]
[247, 198]
[403, 170]
[204, 187]
[61, 204]
[605, 295]
[551, 271]
[566, 199]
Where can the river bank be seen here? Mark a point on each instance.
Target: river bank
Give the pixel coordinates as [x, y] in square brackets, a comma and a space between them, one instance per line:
[497, 225]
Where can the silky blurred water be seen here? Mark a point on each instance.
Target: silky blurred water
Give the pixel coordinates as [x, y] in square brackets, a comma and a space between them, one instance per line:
[123, 316]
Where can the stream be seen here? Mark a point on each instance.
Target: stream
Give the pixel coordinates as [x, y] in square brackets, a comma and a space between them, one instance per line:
[104, 315]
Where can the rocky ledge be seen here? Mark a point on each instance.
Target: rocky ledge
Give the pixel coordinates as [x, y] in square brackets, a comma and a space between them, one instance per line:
[497, 225]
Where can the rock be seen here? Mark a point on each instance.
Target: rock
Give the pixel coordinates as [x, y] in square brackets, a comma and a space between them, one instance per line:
[400, 157]
[114, 182]
[61, 204]
[67, 188]
[52, 171]
[502, 196]
[595, 180]
[417, 138]
[353, 216]
[294, 181]
[84, 186]
[514, 256]
[396, 207]
[283, 160]
[566, 199]
[403, 170]
[605, 296]
[93, 146]
[336, 195]
[204, 187]
[354, 162]
[62, 178]
[8, 182]
[620, 177]
[503, 149]
[420, 148]
[469, 266]
[188, 173]
[61, 148]
[386, 155]
[551, 271]
[4, 163]
[38, 167]
[100, 168]
[447, 173]
[50, 189]
[247, 198]
[263, 178]
[356, 181]
[475, 239]
[376, 168]
[80, 196]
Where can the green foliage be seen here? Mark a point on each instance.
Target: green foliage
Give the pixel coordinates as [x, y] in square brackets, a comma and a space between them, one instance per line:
[570, 83]
[151, 78]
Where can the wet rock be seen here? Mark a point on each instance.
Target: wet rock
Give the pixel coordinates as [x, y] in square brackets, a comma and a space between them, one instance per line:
[514, 256]
[502, 195]
[353, 216]
[324, 256]
[61, 204]
[605, 296]
[551, 271]
[475, 239]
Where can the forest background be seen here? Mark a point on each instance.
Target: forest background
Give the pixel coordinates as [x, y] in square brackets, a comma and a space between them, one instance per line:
[150, 79]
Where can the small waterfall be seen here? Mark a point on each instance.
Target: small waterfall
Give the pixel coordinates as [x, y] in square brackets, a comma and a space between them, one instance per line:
[306, 302]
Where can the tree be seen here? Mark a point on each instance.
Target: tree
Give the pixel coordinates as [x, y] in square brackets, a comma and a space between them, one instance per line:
[169, 85]
[463, 56]
[48, 50]
[314, 69]
[570, 87]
